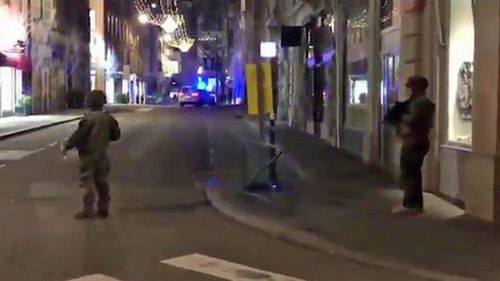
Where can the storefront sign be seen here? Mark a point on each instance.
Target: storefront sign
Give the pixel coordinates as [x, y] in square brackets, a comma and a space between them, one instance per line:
[17, 60]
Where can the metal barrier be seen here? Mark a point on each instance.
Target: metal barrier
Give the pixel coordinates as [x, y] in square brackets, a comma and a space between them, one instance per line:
[260, 165]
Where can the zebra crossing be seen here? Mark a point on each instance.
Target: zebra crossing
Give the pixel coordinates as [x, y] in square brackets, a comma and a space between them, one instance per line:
[209, 266]
[14, 155]
[95, 277]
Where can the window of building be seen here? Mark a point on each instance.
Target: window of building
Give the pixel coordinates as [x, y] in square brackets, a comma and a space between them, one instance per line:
[36, 9]
[386, 11]
[112, 25]
[117, 27]
[460, 72]
[48, 10]
[92, 19]
[356, 92]
[358, 89]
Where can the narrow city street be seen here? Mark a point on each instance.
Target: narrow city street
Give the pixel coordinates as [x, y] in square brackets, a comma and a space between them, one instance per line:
[161, 225]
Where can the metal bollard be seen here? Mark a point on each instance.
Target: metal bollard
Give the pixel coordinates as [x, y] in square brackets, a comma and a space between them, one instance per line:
[244, 165]
[273, 174]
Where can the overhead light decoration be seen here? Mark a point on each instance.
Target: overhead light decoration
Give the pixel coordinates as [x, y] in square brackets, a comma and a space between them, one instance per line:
[361, 20]
[170, 24]
[165, 14]
[185, 45]
[143, 18]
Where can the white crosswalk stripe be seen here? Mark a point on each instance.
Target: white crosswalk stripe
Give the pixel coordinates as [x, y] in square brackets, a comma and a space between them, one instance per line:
[144, 109]
[13, 155]
[224, 269]
[95, 277]
[209, 266]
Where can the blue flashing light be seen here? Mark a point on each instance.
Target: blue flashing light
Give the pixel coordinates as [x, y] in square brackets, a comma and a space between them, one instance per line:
[212, 84]
[200, 84]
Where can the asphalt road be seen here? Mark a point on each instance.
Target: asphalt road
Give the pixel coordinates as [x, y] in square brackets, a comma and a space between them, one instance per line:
[157, 211]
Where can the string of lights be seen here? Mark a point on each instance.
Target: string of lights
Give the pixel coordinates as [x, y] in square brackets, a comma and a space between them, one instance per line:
[180, 38]
[361, 20]
[150, 11]
[166, 14]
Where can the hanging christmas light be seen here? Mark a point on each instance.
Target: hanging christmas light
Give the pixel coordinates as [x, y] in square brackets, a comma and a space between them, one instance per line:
[185, 45]
[143, 19]
[361, 20]
[166, 14]
[170, 24]
[151, 10]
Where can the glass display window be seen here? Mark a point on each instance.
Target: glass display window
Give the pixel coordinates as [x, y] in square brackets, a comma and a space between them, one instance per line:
[358, 89]
[460, 72]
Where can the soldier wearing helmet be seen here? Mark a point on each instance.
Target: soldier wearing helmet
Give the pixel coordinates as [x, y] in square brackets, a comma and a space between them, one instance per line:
[95, 131]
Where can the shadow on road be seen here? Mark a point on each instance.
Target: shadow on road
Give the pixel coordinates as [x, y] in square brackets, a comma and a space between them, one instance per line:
[173, 208]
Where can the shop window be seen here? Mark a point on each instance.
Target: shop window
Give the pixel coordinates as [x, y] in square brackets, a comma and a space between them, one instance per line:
[358, 89]
[356, 96]
[92, 18]
[357, 20]
[461, 69]
[390, 82]
[48, 9]
[386, 13]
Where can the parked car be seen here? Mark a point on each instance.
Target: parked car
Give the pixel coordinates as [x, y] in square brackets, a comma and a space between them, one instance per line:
[189, 96]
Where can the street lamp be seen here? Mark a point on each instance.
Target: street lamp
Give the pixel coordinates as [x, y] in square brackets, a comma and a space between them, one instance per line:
[268, 49]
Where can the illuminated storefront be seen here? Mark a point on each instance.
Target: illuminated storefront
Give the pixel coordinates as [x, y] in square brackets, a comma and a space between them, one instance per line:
[170, 67]
[111, 76]
[460, 72]
[97, 46]
[355, 108]
[12, 62]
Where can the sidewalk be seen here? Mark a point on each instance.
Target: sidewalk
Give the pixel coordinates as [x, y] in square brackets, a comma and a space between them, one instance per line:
[340, 206]
[15, 125]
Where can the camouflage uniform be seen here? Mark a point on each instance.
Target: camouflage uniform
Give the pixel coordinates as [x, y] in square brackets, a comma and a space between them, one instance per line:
[415, 127]
[95, 131]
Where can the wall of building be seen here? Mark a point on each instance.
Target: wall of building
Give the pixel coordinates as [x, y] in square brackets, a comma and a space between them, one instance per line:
[12, 57]
[453, 43]
[59, 52]
[126, 58]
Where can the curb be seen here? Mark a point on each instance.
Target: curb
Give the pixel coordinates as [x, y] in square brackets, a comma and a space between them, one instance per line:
[312, 241]
[36, 128]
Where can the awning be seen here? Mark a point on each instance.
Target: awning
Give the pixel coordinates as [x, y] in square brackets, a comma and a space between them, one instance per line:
[3, 59]
[17, 60]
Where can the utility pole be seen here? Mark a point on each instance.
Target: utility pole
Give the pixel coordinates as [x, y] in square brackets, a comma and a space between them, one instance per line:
[371, 149]
[254, 20]
[340, 67]
[318, 79]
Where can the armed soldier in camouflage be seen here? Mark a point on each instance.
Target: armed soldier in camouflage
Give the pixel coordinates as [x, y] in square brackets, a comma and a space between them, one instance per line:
[95, 131]
[415, 125]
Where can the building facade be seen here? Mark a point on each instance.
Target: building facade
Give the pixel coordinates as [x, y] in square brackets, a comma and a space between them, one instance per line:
[59, 54]
[213, 46]
[13, 57]
[124, 57]
[43, 56]
[379, 44]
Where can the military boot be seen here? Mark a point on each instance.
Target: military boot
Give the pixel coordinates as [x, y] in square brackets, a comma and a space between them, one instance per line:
[103, 213]
[86, 213]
